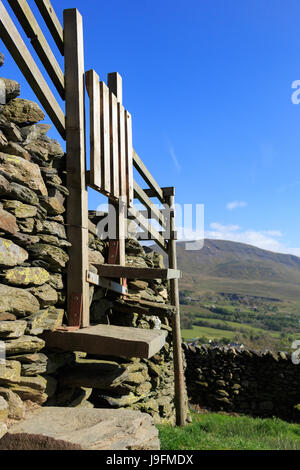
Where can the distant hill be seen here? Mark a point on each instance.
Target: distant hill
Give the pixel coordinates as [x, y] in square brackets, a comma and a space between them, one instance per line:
[231, 267]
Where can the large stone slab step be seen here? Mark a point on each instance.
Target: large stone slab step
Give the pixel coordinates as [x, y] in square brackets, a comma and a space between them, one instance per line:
[108, 340]
[59, 428]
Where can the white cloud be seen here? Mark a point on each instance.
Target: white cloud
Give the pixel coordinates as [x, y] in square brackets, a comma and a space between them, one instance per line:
[221, 228]
[235, 204]
[265, 239]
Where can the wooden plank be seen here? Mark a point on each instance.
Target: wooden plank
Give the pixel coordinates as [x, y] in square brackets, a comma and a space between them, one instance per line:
[153, 210]
[129, 157]
[116, 210]
[77, 207]
[114, 83]
[122, 151]
[167, 191]
[114, 146]
[52, 22]
[39, 43]
[145, 225]
[177, 340]
[108, 340]
[141, 168]
[131, 272]
[17, 48]
[105, 137]
[93, 89]
[106, 283]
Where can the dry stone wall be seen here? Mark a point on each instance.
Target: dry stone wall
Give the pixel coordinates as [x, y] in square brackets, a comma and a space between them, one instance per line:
[33, 260]
[250, 382]
[33, 252]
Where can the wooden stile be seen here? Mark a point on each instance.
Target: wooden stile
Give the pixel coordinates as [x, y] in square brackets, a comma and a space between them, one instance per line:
[77, 206]
[111, 172]
[39, 43]
[93, 88]
[52, 22]
[17, 48]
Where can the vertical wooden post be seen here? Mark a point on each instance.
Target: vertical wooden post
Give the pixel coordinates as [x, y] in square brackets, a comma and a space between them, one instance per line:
[114, 83]
[77, 204]
[177, 350]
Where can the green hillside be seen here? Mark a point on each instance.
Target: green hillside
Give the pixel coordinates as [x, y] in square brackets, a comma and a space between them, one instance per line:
[236, 292]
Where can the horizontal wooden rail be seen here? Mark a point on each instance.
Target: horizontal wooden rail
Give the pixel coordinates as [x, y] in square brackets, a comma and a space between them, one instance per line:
[167, 191]
[145, 225]
[131, 272]
[140, 194]
[39, 43]
[17, 48]
[52, 22]
[141, 168]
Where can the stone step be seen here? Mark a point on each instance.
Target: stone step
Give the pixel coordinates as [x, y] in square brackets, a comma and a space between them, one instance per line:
[59, 428]
[108, 340]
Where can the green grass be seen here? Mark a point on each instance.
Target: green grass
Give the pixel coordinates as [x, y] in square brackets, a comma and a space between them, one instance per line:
[210, 333]
[215, 431]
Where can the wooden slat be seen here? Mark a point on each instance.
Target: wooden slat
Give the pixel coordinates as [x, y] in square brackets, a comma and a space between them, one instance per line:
[114, 146]
[129, 156]
[93, 89]
[17, 48]
[116, 209]
[108, 340]
[114, 83]
[141, 168]
[146, 201]
[145, 225]
[39, 43]
[131, 272]
[53, 23]
[105, 137]
[77, 207]
[122, 151]
[106, 283]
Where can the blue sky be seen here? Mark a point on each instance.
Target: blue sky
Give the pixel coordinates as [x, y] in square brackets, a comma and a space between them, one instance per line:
[209, 87]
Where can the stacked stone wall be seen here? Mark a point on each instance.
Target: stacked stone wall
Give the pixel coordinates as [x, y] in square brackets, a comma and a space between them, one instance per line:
[244, 381]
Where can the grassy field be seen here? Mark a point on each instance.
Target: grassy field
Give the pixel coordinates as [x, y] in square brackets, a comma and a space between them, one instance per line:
[210, 333]
[214, 431]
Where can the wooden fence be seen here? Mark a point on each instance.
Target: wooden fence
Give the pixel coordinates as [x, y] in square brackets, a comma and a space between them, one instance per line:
[112, 159]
